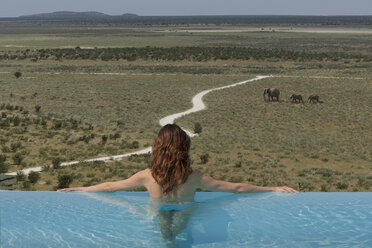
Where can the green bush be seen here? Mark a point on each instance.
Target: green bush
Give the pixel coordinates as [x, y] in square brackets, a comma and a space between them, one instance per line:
[238, 164]
[15, 146]
[37, 108]
[17, 158]
[324, 187]
[20, 176]
[134, 145]
[204, 158]
[64, 181]
[56, 162]
[26, 184]
[2, 158]
[3, 166]
[115, 136]
[33, 177]
[18, 74]
[197, 128]
[342, 185]
[16, 121]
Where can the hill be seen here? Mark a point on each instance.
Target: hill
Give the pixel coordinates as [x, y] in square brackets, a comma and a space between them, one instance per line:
[66, 15]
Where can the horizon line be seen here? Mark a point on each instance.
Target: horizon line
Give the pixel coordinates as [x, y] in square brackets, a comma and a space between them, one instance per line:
[190, 15]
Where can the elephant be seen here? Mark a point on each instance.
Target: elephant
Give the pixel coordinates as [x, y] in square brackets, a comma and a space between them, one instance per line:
[295, 97]
[272, 92]
[313, 98]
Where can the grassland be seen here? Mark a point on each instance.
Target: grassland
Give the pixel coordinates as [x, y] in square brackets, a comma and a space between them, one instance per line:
[312, 147]
[22, 38]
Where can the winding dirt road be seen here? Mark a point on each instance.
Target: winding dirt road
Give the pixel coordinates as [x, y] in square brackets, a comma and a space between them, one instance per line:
[198, 105]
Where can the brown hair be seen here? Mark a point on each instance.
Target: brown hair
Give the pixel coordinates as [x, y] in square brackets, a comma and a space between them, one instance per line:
[170, 165]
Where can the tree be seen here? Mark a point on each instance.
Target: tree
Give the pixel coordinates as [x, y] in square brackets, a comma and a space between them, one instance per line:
[64, 181]
[18, 74]
[33, 177]
[197, 128]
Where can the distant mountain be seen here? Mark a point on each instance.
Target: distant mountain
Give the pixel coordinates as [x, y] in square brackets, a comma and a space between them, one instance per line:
[66, 15]
[129, 15]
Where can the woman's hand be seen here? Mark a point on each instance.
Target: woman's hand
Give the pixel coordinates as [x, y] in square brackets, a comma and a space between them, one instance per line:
[72, 189]
[284, 189]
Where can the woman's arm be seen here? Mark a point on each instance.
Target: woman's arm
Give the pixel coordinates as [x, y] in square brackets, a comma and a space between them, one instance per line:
[135, 181]
[208, 183]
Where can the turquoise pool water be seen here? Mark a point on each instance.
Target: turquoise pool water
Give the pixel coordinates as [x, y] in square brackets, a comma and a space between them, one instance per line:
[56, 219]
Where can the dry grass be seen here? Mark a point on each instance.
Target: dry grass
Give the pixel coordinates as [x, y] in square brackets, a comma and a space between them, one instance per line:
[312, 147]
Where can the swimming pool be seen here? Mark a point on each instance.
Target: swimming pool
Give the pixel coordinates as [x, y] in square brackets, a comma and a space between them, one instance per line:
[81, 219]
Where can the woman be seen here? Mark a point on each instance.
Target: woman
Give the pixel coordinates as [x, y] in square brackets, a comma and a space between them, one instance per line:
[171, 176]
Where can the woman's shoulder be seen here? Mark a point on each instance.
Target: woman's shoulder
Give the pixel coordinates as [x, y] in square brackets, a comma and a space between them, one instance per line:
[143, 173]
[196, 175]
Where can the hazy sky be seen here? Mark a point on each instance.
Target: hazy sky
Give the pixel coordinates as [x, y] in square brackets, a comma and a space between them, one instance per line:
[11, 8]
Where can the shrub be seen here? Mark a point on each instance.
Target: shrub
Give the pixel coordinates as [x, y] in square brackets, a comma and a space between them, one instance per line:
[56, 162]
[26, 184]
[16, 121]
[134, 145]
[18, 74]
[2, 158]
[14, 146]
[37, 108]
[20, 176]
[3, 167]
[43, 123]
[204, 158]
[197, 128]
[115, 136]
[58, 125]
[342, 185]
[64, 181]
[324, 187]
[104, 139]
[33, 177]
[9, 107]
[238, 164]
[120, 123]
[17, 158]
[305, 185]
[5, 149]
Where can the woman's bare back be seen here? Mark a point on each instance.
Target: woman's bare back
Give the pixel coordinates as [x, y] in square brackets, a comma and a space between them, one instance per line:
[183, 191]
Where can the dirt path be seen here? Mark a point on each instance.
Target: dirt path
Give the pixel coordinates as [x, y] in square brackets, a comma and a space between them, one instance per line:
[198, 105]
